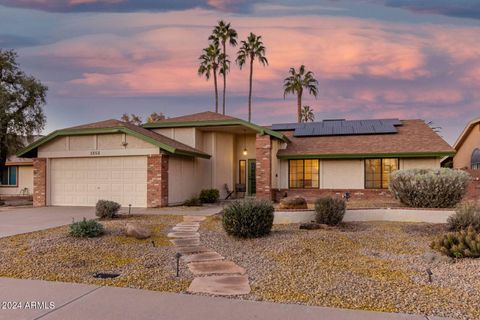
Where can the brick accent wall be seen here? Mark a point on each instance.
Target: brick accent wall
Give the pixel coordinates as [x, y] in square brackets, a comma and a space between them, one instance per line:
[39, 182]
[473, 191]
[263, 153]
[157, 180]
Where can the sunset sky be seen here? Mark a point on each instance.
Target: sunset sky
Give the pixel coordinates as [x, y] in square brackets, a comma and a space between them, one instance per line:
[373, 58]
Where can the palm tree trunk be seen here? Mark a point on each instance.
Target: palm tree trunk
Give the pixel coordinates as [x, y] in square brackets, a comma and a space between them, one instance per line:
[224, 73]
[250, 92]
[299, 106]
[216, 89]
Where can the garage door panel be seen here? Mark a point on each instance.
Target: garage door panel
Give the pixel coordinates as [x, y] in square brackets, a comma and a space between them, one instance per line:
[84, 181]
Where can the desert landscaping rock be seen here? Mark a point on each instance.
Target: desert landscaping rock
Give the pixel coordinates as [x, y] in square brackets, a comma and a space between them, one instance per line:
[193, 218]
[204, 256]
[192, 249]
[183, 235]
[185, 229]
[137, 231]
[186, 242]
[221, 285]
[215, 267]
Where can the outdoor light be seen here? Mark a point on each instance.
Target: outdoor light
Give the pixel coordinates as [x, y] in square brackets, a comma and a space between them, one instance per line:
[245, 152]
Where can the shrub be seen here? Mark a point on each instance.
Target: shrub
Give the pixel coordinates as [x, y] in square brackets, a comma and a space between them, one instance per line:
[107, 209]
[293, 203]
[429, 188]
[248, 219]
[209, 195]
[462, 244]
[86, 228]
[193, 202]
[466, 215]
[329, 210]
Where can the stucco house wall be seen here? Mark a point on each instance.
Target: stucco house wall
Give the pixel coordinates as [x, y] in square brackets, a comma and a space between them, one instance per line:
[462, 158]
[24, 180]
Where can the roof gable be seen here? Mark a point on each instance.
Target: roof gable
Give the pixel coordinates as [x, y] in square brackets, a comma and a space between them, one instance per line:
[466, 131]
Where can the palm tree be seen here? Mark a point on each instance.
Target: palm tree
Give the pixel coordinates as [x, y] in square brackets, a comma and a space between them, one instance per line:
[307, 114]
[209, 64]
[251, 49]
[222, 33]
[296, 82]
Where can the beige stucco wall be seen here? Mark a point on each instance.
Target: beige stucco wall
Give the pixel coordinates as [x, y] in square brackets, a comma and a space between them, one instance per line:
[181, 183]
[223, 162]
[117, 144]
[24, 180]
[184, 135]
[462, 158]
[420, 163]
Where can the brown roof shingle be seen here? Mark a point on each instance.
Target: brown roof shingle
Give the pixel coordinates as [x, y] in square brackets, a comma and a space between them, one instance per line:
[201, 116]
[112, 123]
[414, 136]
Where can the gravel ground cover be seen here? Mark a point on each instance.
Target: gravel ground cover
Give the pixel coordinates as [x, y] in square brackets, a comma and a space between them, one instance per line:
[53, 255]
[364, 265]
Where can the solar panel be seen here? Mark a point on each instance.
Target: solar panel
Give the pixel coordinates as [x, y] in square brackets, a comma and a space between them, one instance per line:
[340, 127]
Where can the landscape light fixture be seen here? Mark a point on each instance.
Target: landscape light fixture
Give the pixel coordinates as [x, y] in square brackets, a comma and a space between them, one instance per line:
[245, 152]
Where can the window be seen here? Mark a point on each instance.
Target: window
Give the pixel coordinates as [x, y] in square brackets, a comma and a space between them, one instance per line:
[303, 174]
[377, 172]
[242, 173]
[475, 163]
[8, 176]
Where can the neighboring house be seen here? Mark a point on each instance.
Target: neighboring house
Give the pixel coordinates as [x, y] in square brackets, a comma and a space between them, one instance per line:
[16, 177]
[166, 163]
[467, 147]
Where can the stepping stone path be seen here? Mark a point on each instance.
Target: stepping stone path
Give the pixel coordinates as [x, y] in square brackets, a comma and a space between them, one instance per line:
[213, 274]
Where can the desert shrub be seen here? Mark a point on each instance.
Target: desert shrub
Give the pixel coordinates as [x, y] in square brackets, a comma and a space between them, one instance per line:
[193, 202]
[107, 209]
[86, 229]
[429, 188]
[248, 219]
[329, 210]
[462, 244]
[293, 203]
[209, 195]
[466, 215]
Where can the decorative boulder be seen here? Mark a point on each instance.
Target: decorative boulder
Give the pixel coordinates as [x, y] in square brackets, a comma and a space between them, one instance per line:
[293, 203]
[137, 231]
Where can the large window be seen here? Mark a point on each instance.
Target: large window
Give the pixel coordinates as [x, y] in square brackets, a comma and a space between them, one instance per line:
[377, 172]
[475, 163]
[303, 174]
[8, 176]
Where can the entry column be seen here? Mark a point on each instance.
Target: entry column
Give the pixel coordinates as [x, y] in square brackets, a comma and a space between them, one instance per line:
[157, 180]
[263, 146]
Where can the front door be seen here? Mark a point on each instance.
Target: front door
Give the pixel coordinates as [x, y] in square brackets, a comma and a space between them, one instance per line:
[252, 177]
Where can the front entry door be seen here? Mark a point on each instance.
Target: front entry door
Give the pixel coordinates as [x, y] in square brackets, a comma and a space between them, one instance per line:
[252, 177]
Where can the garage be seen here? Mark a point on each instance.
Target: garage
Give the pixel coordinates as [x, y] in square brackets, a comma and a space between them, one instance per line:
[84, 181]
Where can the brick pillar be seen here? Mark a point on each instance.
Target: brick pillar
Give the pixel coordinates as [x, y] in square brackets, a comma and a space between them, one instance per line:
[39, 182]
[157, 180]
[263, 146]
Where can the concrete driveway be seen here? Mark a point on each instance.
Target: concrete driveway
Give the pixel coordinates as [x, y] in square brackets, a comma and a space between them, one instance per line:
[23, 220]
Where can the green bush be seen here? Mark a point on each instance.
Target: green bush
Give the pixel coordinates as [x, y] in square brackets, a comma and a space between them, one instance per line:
[466, 215]
[248, 219]
[107, 209]
[329, 210]
[193, 202]
[429, 188]
[209, 195]
[462, 244]
[86, 229]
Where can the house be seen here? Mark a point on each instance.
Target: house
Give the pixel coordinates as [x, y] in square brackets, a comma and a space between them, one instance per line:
[168, 162]
[16, 177]
[467, 147]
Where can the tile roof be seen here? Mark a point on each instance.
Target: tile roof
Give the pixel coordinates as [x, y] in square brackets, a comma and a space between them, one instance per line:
[414, 136]
[112, 123]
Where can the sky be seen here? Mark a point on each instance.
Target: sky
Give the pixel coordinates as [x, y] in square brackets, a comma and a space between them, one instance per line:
[404, 59]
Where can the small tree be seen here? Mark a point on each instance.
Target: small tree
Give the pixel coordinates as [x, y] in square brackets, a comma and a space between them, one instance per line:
[132, 118]
[156, 117]
[22, 98]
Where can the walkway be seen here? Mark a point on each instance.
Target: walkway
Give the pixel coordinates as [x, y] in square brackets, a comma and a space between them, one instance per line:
[214, 275]
[80, 302]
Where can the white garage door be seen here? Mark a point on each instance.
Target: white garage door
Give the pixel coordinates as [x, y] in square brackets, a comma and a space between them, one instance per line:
[84, 181]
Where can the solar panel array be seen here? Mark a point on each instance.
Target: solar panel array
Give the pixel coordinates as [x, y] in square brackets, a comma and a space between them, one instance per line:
[340, 127]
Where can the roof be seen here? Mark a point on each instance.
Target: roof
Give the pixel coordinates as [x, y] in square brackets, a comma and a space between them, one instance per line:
[116, 126]
[466, 131]
[209, 119]
[16, 161]
[414, 139]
